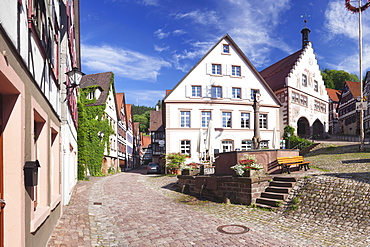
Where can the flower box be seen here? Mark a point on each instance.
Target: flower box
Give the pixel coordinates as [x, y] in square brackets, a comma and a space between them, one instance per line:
[190, 172]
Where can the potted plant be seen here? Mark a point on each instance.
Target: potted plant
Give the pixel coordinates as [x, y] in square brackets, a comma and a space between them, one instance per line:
[174, 162]
[190, 169]
[248, 167]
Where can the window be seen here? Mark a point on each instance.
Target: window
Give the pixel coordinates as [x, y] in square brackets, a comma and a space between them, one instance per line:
[246, 145]
[235, 71]
[227, 146]
[216, 69]
[263, 121]
[216, 92]
[196, 91]
[264, 144]
[295, 97]
[236, 93]
[90, 95]
[254, 91]
[316, 86]
[303, 100]
[245, 120]
[185, 119]
[185, 147]
[226, 119]
[206, 116]
[226, 48]
[304, 80]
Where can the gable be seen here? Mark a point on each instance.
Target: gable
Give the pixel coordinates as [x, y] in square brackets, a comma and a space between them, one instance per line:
[227, 71]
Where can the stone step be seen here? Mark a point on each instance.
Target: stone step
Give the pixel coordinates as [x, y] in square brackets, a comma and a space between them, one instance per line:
[278, 190]
[269, 202]
[285, 179]
[281, 184]
[271, 195]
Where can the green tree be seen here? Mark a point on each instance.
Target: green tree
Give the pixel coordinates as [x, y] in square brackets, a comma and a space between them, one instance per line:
[335, 79]
[144, 122]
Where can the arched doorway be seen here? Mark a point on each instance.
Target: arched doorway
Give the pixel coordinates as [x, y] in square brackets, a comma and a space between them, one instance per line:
[318, 130]
[303, 129]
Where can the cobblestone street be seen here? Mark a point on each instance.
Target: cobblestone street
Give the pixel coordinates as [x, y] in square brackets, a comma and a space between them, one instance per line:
[134, 209]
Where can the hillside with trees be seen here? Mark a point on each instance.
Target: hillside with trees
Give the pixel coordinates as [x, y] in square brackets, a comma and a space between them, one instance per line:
[335, 79]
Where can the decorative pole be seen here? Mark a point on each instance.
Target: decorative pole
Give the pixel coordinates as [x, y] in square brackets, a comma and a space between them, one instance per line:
[359, 10]
[256, 108]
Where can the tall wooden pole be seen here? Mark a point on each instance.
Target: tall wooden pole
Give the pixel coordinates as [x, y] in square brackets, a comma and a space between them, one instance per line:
[362, 136]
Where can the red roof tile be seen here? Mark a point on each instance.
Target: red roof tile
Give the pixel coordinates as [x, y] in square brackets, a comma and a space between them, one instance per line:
[275, 74]
[334, 94]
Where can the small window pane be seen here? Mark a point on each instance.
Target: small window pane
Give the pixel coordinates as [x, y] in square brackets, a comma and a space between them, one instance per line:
[196, 91]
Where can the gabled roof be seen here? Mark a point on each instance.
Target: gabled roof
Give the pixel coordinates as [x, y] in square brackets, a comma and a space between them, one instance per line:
[128, 108]
[275, 74]
[136, 128]
[146, 141]
[156, 121]
[244, 57]
[121, 102]
[334, 94]
[102, 80]
[354, 87]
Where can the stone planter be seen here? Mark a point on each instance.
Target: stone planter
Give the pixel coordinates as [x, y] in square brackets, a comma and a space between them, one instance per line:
[254, 173]
[190, 172]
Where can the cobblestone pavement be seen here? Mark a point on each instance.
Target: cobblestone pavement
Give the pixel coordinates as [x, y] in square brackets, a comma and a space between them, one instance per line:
[134, 209]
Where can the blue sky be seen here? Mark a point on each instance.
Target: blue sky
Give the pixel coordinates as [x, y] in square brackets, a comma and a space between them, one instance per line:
[151, 44]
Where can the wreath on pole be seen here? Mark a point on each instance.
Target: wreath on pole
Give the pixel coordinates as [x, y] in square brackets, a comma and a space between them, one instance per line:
[354, 9]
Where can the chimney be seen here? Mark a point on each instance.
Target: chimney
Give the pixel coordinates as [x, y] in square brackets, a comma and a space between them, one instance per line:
[305, 32]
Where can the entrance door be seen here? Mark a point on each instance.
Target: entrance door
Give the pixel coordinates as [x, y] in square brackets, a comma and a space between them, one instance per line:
[2, 202]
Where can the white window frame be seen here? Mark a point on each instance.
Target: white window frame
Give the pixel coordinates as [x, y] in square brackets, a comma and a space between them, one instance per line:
[246, 145]
[185, 147]
[185, 119]
[236, 93]
[236, 70]
[226, 51]
[196, 91]
[226, 119]
[244, 122]
[263, 120]
[216, 69]
[216, 92]
[315, 86]
[206, 116]
[227, 146]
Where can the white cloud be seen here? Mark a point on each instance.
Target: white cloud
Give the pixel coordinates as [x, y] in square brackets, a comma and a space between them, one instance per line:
[144, 97]
[178, 32]
[160, 34]
[160, 49]
[200, 17]
[124, 63]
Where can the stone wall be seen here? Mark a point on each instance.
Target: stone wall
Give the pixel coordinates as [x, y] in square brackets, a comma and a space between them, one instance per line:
[238, 190]
[267, 157]
[342, 201]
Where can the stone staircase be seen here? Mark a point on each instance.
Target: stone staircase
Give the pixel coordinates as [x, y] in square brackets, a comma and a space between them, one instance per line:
[276, 192]
[308, 149]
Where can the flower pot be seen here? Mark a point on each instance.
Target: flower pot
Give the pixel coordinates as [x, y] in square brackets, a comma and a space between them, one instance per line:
[254, 173]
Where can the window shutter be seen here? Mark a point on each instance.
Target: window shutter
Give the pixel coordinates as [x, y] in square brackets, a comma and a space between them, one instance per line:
[246, 93]
[224, 69]
[187, 91]
[208, 91]
[228, 69]
[208, 68]
[226, 92]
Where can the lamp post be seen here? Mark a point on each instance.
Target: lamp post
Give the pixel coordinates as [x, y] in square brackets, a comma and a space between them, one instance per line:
[288, 135]
[256, 108]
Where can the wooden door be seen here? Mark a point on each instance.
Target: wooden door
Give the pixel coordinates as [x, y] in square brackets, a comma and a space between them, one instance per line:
[2, 202]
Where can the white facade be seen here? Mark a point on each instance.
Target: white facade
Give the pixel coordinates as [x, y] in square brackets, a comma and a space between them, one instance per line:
[317, 107]
[218, 87]
[111, 153]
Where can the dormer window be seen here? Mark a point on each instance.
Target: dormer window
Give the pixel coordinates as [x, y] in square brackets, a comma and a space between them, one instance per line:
[91, 95]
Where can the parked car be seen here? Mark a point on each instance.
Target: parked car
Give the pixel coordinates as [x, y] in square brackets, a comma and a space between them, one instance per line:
[153, 168]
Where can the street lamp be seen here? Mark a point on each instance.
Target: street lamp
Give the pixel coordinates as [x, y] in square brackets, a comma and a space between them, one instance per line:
[74, 77]
[288, 135]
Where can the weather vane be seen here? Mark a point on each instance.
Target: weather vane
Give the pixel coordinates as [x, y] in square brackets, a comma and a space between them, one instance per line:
[305, 16]
[360, 8]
